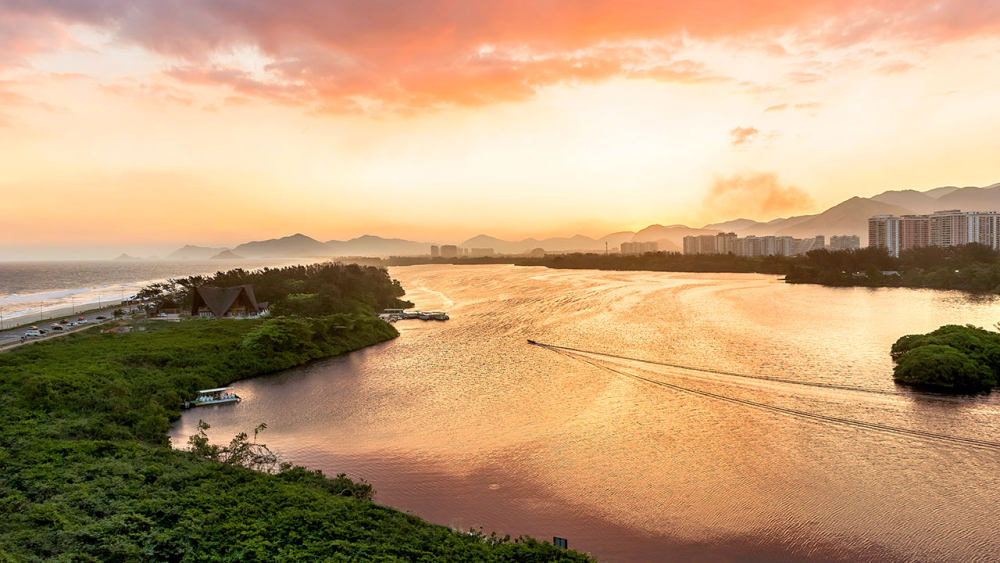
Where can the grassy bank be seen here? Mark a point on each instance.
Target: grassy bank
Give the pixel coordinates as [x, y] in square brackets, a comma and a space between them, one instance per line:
[86, 473]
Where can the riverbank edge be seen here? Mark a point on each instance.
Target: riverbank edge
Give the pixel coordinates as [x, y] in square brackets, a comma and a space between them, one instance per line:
[426, 537]
[775, 268]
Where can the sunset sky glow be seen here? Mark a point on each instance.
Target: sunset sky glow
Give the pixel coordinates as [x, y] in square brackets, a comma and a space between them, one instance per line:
[144, 124]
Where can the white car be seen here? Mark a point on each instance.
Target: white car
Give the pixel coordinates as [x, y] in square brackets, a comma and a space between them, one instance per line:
[32, 332]
[81, 321]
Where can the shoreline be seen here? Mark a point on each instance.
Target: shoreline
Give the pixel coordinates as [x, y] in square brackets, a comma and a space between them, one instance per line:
[62, 299]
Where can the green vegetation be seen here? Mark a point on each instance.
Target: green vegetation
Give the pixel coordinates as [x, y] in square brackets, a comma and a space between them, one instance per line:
[952, 359]
[973, 267]
[86, 472]
[310, 290]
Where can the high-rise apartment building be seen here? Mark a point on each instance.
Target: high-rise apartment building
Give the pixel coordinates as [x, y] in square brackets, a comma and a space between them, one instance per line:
[435, 251]
[700, 244]
[883, 232]
[845, 242]
[725, 243]
[914, 232]
[948, 228]
[449, 251]
[941, 228]
[638, 247]
[769, 245]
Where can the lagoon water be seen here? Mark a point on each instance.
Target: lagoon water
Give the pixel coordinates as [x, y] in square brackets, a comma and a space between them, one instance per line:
[465, 424]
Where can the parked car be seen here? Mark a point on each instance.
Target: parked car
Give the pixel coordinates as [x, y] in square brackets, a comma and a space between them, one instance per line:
[81, 321]
[101, 317]
[57, 327]
[32, 332]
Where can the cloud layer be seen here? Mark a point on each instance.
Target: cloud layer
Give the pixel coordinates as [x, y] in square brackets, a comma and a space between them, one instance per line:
[381, 54]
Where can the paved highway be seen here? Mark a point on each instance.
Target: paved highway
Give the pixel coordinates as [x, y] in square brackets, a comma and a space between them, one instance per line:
[11, 337]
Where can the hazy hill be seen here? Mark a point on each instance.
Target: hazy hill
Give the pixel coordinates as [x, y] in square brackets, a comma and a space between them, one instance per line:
[227, 255]
[737, 225]
[971, 199]
[297, 246]
[917, 202]
[191, 252]
[370, 245]
[849, 217]
[943, 190]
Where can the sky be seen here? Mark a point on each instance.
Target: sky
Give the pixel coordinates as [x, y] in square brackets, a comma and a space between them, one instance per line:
[143, 124]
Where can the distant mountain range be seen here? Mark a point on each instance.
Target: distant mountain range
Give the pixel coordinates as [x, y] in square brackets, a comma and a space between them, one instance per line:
[849, 217]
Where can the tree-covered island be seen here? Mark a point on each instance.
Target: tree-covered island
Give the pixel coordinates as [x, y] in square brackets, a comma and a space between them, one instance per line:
[87, 473]
[951, 359]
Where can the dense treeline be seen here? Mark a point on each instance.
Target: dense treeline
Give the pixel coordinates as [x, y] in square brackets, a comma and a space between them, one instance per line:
[951, 359]
[971, 267]
[303, 290]
[86, 472]
[654, 261]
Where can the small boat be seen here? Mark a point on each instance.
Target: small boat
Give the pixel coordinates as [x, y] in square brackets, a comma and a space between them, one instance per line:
[218, 396]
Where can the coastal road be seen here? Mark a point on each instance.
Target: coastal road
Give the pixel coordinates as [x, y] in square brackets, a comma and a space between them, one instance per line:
[11, 338]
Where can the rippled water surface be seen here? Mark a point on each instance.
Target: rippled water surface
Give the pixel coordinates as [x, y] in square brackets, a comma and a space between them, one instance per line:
[465, 424]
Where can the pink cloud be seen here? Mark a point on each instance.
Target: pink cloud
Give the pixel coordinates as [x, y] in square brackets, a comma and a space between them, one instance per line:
[429, 53]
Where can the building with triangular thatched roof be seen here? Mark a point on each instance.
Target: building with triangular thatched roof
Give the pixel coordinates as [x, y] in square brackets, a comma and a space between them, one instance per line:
[225, 302]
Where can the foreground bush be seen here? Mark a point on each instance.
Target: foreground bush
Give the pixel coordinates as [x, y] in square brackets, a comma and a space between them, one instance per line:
[951, 359]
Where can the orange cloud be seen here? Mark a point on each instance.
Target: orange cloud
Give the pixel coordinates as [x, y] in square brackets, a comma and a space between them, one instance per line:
[754, 196]
[743, 135]
[351, 55]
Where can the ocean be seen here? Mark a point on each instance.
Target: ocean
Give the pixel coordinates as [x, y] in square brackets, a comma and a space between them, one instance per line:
[30, 291]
